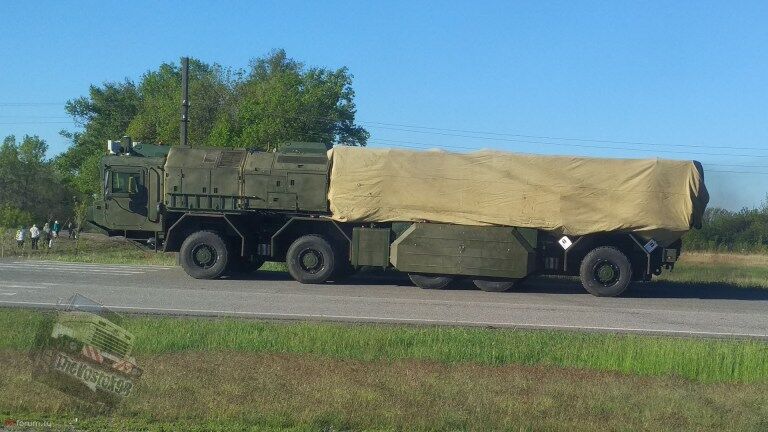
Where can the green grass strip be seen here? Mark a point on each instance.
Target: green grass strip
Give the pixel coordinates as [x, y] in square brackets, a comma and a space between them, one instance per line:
[703, 360]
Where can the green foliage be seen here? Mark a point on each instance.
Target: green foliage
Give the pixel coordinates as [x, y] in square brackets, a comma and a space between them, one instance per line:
[30, 187]
[105, 114]
[157, 119]
[277, 100]
[282, 100]
[12, 217]
[723, 230]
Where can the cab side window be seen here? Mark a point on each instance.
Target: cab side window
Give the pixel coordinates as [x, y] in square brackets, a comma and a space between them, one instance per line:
[120, 181]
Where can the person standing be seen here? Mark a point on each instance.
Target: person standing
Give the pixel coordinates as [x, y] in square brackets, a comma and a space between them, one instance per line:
[21, 234]
[34, 235]
[70, 230]
[48, 237]
[56, 229]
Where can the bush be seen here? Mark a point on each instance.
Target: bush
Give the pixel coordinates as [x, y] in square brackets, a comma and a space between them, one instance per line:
[12, 217]
[727, 231]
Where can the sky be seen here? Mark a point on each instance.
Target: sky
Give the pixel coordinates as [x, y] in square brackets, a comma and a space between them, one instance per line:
[678, 80]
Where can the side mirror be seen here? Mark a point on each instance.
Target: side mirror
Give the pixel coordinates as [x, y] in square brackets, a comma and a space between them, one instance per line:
[132, 187]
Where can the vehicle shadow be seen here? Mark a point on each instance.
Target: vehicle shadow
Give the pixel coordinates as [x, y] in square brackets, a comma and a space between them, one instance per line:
[550, 285]
[655, 289]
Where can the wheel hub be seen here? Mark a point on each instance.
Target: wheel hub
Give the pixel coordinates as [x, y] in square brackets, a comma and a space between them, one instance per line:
[606, 273]
[311, 260]
[204, 256]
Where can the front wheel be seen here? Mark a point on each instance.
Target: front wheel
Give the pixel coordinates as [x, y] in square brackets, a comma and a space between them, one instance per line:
[605, 272]
[311, 260]
[204, 255]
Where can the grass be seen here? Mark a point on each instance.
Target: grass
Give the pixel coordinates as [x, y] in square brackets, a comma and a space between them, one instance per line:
[236, 391]
[98, 249]
[746, 271]
[694, 359]
[89, 248]
[229, 374]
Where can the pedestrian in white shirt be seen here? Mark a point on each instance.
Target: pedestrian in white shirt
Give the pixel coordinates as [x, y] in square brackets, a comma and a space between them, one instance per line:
[34, 234]
[21, 234]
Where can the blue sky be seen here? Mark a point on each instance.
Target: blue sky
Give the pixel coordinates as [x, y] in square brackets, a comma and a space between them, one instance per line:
[690, 74]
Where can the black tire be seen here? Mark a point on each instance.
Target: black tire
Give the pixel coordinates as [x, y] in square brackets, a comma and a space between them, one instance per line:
[494, 285]
[311, 260]
[204, 255]
[430, 281]
[605, 272]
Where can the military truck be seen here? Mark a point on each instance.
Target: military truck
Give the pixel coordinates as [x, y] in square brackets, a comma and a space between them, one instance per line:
[227, 210]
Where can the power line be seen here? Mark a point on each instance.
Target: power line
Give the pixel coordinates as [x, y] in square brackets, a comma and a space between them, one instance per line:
[429, 128]
[577, 145]
[496, 136]
[15, 104]
[442, 131]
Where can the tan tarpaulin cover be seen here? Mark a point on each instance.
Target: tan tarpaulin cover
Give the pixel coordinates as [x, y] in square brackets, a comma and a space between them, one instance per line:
[574, 195]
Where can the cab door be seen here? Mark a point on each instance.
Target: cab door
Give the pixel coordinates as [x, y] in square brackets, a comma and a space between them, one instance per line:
[126, 198]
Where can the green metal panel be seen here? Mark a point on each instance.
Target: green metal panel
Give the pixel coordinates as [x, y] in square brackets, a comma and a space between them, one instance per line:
[370, 246]
[311, 190]
[282, 201]
[506, 252]
[255, 190]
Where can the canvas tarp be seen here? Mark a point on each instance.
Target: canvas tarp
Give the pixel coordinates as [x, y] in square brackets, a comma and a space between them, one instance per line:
[660, 199]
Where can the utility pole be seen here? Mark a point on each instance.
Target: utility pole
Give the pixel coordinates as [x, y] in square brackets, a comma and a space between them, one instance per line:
[184, 99]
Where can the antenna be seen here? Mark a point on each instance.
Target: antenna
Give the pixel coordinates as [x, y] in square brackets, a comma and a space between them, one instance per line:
[184, 99]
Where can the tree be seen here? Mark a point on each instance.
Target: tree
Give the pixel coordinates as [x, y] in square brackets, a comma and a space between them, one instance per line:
[157, 119]
[282, 100]
[30, 187]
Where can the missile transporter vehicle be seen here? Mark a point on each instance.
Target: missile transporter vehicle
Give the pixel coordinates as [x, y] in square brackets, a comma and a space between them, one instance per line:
[227, 210]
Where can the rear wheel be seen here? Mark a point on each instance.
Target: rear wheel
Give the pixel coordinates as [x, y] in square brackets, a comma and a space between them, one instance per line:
[204, 255]
[494, 285]
[311, 260]
[430, 281]
[605, 272]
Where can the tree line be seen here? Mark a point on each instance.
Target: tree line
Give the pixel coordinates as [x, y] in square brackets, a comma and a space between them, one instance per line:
[723, 230]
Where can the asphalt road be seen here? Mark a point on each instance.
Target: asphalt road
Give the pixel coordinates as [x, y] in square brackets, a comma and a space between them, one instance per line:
[665, 308]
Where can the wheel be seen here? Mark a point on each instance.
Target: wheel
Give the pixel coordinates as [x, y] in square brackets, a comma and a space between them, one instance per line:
[494, 285]
[430, 281]
[246, 264]
[605, 272]
[204, 255]
[310, 259]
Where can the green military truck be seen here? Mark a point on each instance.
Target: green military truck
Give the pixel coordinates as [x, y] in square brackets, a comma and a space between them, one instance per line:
[226, 210]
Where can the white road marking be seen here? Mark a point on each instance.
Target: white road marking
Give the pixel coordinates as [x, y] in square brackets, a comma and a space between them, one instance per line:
[49, 266]
[94, 265]
[69, 270]
[270, 315]
[24, 286]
